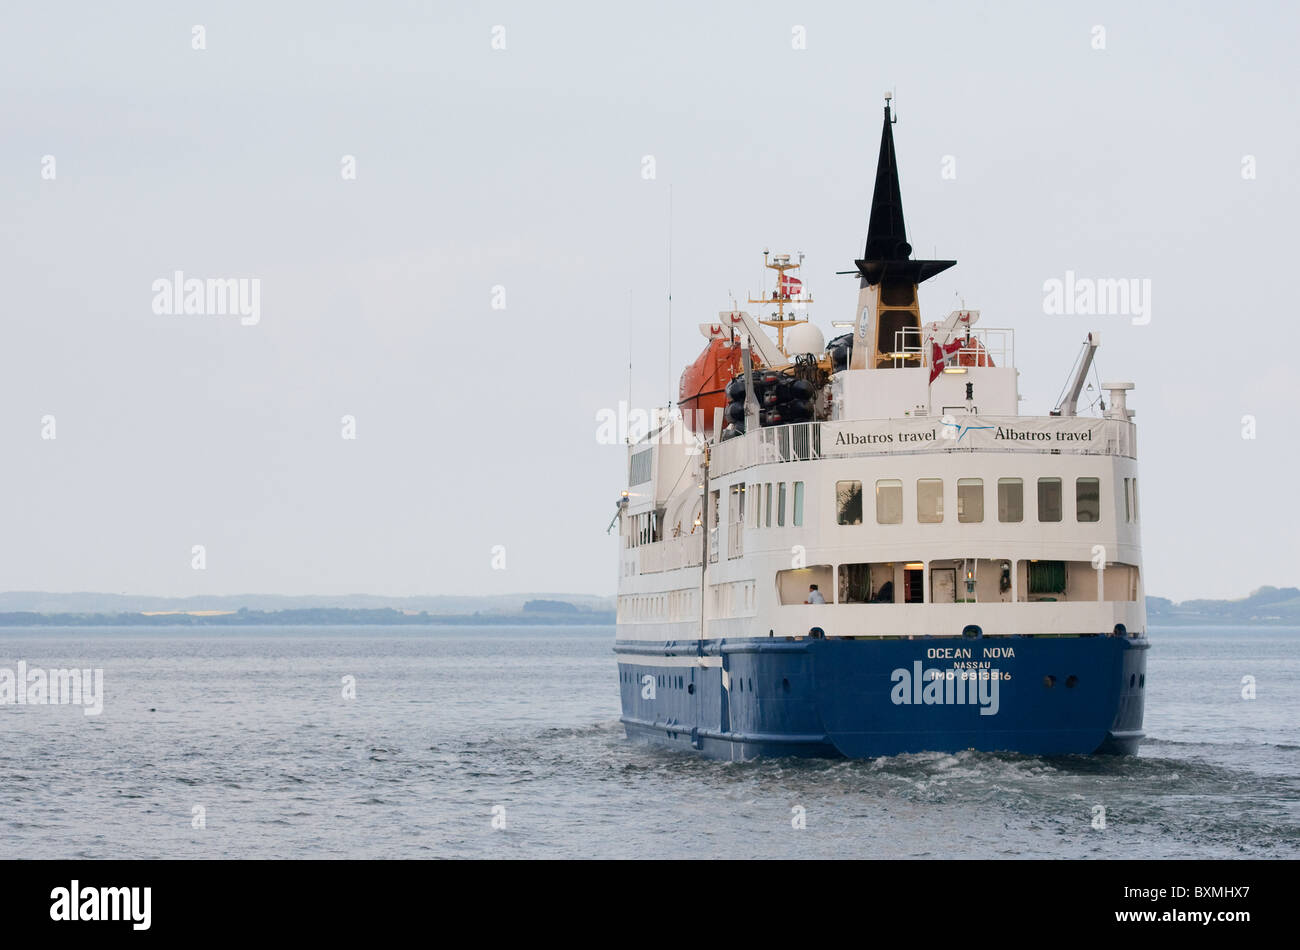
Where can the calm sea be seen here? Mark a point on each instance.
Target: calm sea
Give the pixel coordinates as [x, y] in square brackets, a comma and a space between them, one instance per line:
[454, 731]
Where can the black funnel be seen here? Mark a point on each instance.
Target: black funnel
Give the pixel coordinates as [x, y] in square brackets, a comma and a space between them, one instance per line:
[887, 252]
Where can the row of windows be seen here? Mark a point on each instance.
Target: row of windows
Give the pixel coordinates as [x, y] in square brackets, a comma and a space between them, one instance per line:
[970, 500]
[959, 580]
[671, 606]
[767, 504]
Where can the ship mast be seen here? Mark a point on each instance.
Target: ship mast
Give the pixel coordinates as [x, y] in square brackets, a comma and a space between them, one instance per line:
[887, 328]
[782, 297]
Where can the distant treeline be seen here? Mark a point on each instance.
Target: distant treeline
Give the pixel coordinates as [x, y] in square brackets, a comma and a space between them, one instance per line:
[325, 616]
[1268, 605]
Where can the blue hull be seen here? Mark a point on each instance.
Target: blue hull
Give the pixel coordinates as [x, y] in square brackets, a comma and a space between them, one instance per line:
[865, 698]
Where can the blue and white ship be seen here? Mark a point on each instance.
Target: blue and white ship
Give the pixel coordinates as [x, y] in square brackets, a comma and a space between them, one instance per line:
[864, 549]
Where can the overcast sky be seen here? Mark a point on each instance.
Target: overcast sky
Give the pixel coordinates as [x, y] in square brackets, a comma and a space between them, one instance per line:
[523, 168]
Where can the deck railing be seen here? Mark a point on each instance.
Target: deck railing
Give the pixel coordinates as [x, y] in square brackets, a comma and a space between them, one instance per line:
[674, 553]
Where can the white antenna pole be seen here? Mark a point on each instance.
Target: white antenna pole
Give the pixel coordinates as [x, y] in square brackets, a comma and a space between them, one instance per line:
[629, 364]
[670, 297]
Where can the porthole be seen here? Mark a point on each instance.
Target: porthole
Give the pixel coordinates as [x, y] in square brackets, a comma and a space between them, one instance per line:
[690, 688]
[1132, 680]
[1142, 681]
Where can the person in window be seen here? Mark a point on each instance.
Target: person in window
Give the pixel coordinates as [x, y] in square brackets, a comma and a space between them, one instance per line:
[814, 595]
[886, 593]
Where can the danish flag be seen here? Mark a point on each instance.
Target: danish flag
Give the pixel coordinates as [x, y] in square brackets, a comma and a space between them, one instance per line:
[790, 286]
[940, 356]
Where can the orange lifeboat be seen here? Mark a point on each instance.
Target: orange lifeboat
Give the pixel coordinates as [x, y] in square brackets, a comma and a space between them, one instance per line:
[704, 383]
[973, 353]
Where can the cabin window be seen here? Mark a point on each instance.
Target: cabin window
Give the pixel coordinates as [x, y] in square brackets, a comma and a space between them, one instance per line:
[889, 501]
[755, 490]
[767, 504]
[1011, 499]
[792, 586]
[848, 502]
[1049, 499]
[1128, 505]
[1087, 499]
[929, 500]
[797, 513]
[780, 506]
[970, 500]
[1135, 498]
[855, 584]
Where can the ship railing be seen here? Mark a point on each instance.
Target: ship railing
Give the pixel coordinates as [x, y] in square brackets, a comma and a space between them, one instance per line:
[807, 441]
[985, 346]
[908, 350]
[672, 554]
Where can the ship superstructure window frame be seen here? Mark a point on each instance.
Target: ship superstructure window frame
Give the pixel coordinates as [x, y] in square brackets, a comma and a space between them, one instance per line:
[889, 501]
[1050, 499]
[792, 584]
[736, 521]
[848, 502]
[1046, 577]
[715, 519]
[970, 503]
[640, 467]
[854, 583]
[1128, 502]
[1011, 500]
[780, 506]
[645, 528]
[796, 513]
[767, 504]
[866, 583]
[929, 502]
[1087, 499]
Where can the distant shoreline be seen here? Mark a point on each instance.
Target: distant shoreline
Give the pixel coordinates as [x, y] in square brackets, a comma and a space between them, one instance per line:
[1265, 607]
[383, 618]
[298, 618]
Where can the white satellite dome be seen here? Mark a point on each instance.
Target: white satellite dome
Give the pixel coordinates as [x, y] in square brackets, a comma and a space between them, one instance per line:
[804, 338]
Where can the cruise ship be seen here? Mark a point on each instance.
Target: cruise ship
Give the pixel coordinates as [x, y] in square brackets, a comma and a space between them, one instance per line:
[862, 548]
